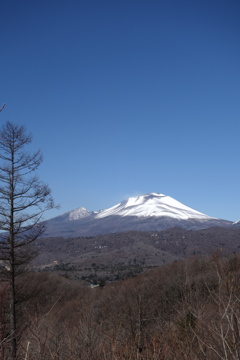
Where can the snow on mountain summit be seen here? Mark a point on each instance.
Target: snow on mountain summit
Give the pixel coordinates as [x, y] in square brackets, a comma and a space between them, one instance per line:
[78, 213]
[153, 204]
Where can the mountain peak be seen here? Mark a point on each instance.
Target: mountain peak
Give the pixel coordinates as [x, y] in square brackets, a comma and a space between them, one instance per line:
[78, 213]
[152, 205]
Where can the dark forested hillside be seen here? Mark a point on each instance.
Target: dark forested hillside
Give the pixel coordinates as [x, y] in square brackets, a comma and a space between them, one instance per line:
[117, 256]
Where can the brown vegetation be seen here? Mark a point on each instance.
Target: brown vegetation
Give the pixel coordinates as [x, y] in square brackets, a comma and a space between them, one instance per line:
[186, 310]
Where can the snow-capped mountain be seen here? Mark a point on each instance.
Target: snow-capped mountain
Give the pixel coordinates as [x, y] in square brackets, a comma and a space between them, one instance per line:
[150, 212]
[153, 204]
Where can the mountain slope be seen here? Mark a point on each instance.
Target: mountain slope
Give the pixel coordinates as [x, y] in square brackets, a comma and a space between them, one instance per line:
[141, 213]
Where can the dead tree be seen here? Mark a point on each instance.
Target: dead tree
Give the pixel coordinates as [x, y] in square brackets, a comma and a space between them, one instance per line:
[23, 200]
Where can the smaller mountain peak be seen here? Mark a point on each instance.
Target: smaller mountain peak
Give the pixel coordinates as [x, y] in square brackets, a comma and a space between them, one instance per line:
[78, 213]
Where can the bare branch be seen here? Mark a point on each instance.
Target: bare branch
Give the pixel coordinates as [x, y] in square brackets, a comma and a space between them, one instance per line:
[3, 107]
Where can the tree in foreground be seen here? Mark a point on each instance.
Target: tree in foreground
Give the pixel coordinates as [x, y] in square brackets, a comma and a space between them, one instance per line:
[23, 201]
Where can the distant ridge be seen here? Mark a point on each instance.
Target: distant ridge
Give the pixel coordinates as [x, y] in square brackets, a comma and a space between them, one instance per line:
[149, 212]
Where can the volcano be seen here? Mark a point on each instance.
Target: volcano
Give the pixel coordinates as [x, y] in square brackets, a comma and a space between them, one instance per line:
[150, 212]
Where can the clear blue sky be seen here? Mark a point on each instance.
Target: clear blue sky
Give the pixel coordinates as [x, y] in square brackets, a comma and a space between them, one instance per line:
[127, 97]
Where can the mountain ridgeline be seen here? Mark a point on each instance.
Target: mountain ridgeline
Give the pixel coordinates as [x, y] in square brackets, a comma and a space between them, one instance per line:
[150, 212]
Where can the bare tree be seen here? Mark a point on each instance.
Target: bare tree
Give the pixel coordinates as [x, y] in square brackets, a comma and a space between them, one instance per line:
[23, 200]
[219, 319]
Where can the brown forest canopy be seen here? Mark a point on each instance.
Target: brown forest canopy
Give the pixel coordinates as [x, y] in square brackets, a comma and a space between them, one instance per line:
[186, 310]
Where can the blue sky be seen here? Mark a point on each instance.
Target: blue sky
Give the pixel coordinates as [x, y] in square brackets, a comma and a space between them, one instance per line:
[127, 97]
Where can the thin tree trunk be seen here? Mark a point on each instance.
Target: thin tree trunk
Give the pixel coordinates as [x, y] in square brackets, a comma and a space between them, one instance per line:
[2, 324]
[13, 343]
[12, 269]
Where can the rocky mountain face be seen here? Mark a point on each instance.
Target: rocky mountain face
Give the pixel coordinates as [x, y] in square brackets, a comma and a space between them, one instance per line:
[150, 212]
